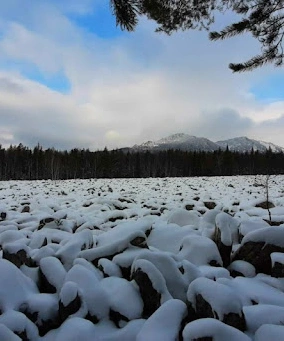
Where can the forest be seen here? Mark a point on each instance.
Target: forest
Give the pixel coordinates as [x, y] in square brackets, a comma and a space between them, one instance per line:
[23, 163]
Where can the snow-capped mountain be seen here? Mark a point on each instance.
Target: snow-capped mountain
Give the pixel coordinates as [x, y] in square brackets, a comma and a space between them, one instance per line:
[244, 144]
[179, 141]
[192, 143]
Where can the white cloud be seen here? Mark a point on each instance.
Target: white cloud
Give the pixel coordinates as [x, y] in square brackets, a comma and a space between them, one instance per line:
[127, 89]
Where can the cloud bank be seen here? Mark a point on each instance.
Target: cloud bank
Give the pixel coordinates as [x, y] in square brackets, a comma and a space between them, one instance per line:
[124, 89]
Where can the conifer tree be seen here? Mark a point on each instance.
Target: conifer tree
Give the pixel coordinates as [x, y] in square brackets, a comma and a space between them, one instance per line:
[263, 19]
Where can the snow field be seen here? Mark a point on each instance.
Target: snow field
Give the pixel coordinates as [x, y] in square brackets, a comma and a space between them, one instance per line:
[142, 259]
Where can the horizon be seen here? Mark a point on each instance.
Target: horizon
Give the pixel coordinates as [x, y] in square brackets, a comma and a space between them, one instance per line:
[126, 147]
[69, 77]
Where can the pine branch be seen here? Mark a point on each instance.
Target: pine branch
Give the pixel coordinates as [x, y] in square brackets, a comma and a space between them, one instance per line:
[231, 31]
[126, 13]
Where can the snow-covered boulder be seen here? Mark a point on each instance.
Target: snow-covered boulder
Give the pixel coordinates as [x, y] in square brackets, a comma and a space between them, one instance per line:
[15, 287]
[269, 332]
[182, 217]
[42, 310]
[51, 275]
[18, 254]
[257, 246]
[260, 314]
[241, 268]
[20, 325]
[7, 335]
[277, 262]
[113, 248]
[92, 291]
[168, 267]
[215, 300]
[71, 302]
[211, 329]
[200, 250]
[165, 323]
[124, 299]
[152, 286]
[226, 233]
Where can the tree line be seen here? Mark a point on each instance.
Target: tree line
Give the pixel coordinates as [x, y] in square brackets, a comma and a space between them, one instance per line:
[22, 163]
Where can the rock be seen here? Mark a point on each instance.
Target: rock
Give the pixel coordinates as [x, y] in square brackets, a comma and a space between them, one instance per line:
[51, 275]
[265, 205]
[257, 247]
[26, 209]
[211, 299]
[70, 309]
[189, 207]
[210, 204]
[19, 257]
[42, 310]
[144, 273]
[241, 268]
[151, 297]
[3, 215]
[226, 232]
[277, 260]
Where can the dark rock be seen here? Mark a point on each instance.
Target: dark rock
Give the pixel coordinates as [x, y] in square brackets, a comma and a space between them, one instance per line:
[116, 317]
[225, 250]
[43, 326]
[204, 310]
[210, 205]
[26, 209]
[139, 242]
[150, 297]
[43, 285]
[70, 309]
[126, 272]
[257, 254]
[189, 207]
[19, 258]
[265, 205]
[3, 215]
[277, 270]
[92, 318]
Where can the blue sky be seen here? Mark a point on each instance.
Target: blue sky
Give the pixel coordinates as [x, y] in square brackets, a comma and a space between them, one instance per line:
[70, 78]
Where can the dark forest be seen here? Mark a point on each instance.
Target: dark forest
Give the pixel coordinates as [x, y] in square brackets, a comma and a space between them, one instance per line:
[23, 163]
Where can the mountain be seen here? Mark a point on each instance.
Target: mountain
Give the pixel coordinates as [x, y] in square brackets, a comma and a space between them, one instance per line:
[187, 142]
[244, 144]
[178, 141]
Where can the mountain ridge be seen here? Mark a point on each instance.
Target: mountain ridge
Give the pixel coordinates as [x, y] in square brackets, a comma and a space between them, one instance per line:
[186, 142]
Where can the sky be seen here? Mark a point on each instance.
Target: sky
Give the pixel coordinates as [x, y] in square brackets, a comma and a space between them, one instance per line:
[69, 78]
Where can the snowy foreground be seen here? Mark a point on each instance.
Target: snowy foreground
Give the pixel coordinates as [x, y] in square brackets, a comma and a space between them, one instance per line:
[142, 259]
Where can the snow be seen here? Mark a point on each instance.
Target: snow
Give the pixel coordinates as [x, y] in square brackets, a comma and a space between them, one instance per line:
[73, 329]
[211, 328]
[260, 314]
[269, 332]
[15, 287]
[270, 235]
[245, 268]
[7, 335]
[92, 290]
[165, 323]
[53, 270]
[89, 237]
[119, 291]
[277, 257]
[199, 250]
